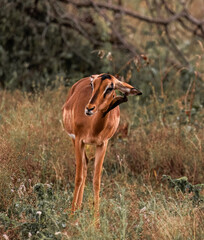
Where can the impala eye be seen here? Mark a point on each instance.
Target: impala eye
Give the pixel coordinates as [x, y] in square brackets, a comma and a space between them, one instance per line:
[91, 85]
[109, 90]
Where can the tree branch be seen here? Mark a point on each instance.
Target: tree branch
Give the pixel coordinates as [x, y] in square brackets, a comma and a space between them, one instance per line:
[128, 12]
[187, 16]
[114, 30]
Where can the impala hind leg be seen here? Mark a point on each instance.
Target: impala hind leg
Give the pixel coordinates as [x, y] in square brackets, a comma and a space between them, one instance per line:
[99, 157]
[79, 177]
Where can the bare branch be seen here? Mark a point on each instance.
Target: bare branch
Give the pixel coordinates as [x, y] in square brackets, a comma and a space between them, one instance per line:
[114, 30]
[128, 12]
[199, 24]
[71, 20]
[175, 49]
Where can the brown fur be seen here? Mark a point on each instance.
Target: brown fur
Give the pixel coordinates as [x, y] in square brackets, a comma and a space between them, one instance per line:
[96, 129]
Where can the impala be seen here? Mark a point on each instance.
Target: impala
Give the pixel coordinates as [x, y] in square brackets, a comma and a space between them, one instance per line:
[91, 116]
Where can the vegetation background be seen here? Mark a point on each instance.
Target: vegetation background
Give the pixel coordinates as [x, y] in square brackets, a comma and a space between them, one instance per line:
[157, 46]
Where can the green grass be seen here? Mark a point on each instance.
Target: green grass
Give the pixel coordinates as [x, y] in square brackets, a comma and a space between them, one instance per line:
[37, 172]
[128, 211]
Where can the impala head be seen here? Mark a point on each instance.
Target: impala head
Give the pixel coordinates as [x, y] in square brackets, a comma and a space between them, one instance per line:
[103, 97]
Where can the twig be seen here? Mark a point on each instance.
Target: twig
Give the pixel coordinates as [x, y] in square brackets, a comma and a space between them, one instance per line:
[177, 52]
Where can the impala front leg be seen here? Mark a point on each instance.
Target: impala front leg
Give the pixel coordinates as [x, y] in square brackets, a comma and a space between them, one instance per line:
[100, 154]
[81, 192]
[79, 177]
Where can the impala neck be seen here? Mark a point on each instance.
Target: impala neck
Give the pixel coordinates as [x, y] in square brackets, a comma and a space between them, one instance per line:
[101, 122]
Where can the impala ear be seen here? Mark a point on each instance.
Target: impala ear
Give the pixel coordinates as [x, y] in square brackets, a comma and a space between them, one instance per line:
[92, 77]
[126, 88]
[115, 102]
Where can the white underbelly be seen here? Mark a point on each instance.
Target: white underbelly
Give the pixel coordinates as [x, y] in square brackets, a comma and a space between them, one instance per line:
[71, 135]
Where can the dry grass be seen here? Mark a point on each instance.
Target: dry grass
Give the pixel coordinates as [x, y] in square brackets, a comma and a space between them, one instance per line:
[33, 143]
[135, 205]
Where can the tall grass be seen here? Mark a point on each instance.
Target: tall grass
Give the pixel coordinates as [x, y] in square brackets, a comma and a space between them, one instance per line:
[33, 144]
[38, 167]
